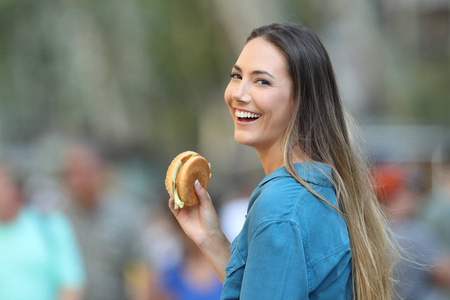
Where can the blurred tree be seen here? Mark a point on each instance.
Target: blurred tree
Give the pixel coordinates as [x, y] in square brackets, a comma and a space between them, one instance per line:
[123, 72]
[418, 81]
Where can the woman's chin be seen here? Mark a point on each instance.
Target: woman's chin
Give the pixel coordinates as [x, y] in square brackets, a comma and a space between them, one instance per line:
[240, 139]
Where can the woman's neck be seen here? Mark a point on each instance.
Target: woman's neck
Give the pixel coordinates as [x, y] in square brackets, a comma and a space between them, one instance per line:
[273, 158]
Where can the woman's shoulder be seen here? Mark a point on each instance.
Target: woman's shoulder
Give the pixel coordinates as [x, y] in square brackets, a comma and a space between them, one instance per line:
[286, 199]
[279, 192]
[283, 199]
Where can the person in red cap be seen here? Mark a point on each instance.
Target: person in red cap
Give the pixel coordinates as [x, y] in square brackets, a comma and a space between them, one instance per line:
[424, 269]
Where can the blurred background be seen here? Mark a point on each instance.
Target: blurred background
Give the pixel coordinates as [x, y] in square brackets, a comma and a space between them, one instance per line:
[144, 80]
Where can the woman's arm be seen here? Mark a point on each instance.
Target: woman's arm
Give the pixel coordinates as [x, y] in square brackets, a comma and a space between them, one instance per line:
[201, 223]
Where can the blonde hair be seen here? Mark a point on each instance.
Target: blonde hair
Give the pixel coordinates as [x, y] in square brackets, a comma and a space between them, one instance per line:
[318, 129]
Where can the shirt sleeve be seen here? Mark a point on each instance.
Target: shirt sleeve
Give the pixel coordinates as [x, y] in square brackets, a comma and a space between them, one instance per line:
[276, 265]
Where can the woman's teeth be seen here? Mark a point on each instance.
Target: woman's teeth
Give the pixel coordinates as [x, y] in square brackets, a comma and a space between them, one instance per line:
[246, 115]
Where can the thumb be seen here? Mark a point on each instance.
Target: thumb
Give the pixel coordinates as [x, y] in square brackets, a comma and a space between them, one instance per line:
[202, 194]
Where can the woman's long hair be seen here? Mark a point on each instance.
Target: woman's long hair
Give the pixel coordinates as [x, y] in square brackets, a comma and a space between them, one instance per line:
[319, 129]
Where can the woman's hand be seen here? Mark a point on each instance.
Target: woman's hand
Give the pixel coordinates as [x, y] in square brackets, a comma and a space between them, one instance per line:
[201, 223]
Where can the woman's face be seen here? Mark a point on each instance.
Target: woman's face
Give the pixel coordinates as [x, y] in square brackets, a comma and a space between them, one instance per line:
[259, 96]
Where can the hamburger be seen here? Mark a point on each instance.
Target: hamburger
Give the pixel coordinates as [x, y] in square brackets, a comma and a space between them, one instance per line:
[184, 169]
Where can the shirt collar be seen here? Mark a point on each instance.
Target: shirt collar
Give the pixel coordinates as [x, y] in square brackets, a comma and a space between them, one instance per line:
[312, 172]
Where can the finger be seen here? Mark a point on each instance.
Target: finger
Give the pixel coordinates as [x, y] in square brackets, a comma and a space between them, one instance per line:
[202, 194]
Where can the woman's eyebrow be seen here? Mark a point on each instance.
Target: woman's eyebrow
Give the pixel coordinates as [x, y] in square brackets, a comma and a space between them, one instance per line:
[263, 72]
[237, 68]
[254, 72]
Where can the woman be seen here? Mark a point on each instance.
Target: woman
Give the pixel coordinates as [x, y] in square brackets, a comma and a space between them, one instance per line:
[313, 228]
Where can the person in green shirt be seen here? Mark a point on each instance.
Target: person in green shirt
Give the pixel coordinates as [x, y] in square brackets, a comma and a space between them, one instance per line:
[39, 258]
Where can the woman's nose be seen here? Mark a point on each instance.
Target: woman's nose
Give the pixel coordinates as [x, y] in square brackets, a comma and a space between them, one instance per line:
[241, 93]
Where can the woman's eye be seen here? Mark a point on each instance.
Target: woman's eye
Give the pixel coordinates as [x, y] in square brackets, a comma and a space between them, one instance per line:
[235, 76]
[262, 82]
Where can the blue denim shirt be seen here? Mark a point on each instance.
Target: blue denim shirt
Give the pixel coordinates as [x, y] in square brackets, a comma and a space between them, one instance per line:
[292, 244]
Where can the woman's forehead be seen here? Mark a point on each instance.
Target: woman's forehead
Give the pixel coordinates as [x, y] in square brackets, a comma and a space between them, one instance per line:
[259, 54]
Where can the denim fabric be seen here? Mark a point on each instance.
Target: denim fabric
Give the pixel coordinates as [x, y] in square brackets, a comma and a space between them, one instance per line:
[292, 244]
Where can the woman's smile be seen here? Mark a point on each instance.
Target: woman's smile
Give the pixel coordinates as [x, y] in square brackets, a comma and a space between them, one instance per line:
[246, 117]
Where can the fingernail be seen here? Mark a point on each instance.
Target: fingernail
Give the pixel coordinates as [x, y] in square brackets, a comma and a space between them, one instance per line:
[197, 184]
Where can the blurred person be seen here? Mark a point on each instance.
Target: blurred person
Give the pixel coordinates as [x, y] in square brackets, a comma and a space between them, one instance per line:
[425, 269]
[436, 209]
[314, 229]
[108, 224]
[186, 277]
[39, 258]
[192, 278]
[163, 244]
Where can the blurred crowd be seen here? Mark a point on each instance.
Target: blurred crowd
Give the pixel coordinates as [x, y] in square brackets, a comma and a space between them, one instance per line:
[81, 235]
[416, 201]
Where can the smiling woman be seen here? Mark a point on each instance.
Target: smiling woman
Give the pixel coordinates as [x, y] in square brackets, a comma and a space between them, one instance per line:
[260, 86]
[313, 228]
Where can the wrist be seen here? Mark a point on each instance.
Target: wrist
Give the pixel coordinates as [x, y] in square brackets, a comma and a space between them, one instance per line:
[216, 239]
[216, 249]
